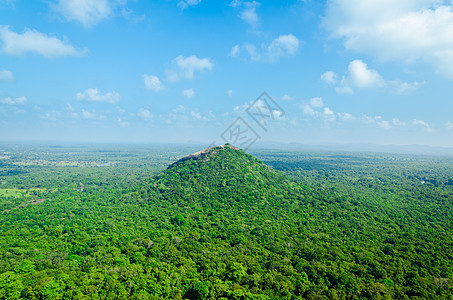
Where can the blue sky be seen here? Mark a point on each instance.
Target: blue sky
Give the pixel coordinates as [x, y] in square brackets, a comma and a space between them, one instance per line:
[340, 71]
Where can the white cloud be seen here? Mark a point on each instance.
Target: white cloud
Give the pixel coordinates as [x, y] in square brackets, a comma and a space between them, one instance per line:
[34, 41]
[376, 121]
[277, 114]
[384, 124]
[286, 98]
[282, 46]
[329, 114]
[316, 108]
[330, 77]
[92, 116]
[6, 75]
[359, 76]
[196, 115]
[144, 113]
[266, 108]
[423, 124]
[51, 115]
[153, 83]
[189, 93]
[248, 12]
[249, 15]
[345, 116]
[94, 95]
[449, 125]
[87, 12]
[235, 51]
[328, 111]
[308, 110]
[344, 90]
[404, 30]
[11, 101]
[316, 102]
[179, 109]
[230, 93]
[397, 122]
[183, 4]
[185, 67]
[181, 114]
[122, 123]
[405, 88]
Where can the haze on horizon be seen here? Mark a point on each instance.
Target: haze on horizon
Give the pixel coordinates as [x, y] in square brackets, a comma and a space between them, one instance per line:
[341, 72]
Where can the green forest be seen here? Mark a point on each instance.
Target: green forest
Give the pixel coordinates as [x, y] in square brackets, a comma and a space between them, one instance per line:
[134, 222]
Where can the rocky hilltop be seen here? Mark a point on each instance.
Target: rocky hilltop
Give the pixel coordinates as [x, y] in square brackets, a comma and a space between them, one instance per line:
[204, 154]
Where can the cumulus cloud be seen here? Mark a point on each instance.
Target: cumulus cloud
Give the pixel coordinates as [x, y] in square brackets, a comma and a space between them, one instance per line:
[404, 30]
[6, 75]
[317, 108]
[249, 15]
[397, 122]
[35, 42]
[376, 121]
[248, 11]
[330, 77]
[449, 125]
[153, 83]
[16, 101]
[196, 115]
[282, 46]
[345, 116]
[425, 125]
[316, 102]
[359, 76]
[286, 98]
[122, 123]
[328, 111]
[308, 110]
[185, 67]
[51, 115]
[384, 124]
[182, 114]
[405, 88]
[235, 51]
[189, 93]
[94, 95]
[144, 113]
[183, 4]
[86, 12]
[90, 115]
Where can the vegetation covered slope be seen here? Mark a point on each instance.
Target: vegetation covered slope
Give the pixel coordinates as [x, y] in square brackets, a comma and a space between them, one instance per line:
[224, 225]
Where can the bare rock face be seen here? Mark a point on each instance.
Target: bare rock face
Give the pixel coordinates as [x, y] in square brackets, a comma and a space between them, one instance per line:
[203, 154]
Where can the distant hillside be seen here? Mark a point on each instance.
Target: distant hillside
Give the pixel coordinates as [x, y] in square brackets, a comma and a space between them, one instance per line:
[265, 236]
[224, 175]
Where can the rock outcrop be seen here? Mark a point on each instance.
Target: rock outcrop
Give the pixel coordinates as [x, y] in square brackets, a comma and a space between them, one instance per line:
[204, 154]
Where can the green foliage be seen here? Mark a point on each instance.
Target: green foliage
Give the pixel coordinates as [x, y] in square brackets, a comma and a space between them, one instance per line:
[225, 226]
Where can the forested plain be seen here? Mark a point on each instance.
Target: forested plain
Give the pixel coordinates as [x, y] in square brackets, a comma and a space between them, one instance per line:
[123, 222]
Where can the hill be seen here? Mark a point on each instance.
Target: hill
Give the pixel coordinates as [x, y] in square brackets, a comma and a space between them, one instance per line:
[224, 176]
